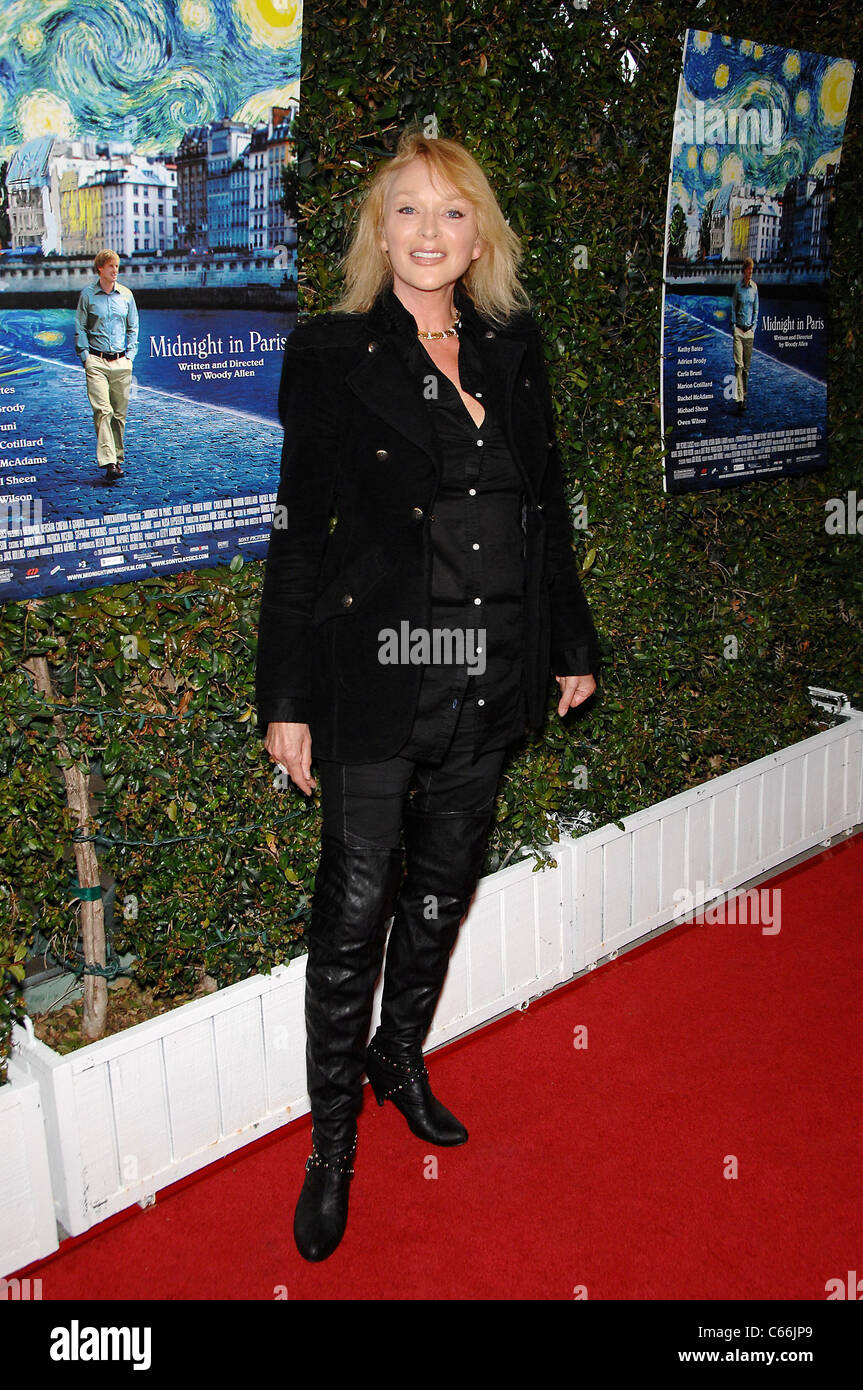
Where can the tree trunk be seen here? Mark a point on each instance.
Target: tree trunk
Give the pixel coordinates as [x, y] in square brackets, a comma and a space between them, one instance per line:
[92, 913]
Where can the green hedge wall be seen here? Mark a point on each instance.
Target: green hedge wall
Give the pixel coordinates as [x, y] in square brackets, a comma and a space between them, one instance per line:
[575, 136]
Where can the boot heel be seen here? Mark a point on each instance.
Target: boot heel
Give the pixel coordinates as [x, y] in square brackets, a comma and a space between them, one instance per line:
[377, 1083]
[408, 1088]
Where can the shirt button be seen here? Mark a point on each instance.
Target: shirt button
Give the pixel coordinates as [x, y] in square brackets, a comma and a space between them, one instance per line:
[477, 600]
[476, 545]
[480, 702]
[472, 491]
[417, 513]
[382, 455]
[479, 443]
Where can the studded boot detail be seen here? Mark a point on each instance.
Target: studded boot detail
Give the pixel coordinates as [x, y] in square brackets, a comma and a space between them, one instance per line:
[353, 900]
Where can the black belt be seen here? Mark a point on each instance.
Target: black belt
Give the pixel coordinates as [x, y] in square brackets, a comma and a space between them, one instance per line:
[108, 356]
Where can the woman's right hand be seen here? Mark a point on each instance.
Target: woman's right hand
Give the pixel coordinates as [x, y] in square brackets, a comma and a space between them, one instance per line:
[290, 745]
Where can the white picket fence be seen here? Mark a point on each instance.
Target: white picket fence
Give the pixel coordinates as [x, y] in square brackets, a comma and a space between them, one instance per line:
[130, 1114]
[28, 1229]
[718, 835]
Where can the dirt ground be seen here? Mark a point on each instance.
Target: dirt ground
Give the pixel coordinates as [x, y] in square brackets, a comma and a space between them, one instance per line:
[128, 1004]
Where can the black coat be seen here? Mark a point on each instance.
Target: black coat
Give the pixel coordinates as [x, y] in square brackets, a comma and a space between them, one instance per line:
[359, 441]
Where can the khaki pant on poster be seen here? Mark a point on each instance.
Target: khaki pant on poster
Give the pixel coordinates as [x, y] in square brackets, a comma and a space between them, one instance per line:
[743, 340]
[108, 387]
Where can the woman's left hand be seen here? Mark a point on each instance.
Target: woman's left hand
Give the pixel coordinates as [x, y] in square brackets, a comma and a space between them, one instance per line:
[574, 690]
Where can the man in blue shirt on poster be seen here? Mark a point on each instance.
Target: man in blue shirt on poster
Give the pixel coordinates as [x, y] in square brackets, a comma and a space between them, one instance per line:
[744, 317]
[106, 340]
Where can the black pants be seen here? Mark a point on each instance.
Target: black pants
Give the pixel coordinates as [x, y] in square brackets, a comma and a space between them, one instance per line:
[446, 825]
[363, 804]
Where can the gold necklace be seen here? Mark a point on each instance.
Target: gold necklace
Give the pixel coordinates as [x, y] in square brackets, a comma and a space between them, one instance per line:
[446, 332]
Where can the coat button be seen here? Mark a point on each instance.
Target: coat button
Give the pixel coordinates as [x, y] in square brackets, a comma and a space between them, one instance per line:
[417, 513]
[372, 347]
[382, 455]
[490, 333]
[347, 600]
[527, 382]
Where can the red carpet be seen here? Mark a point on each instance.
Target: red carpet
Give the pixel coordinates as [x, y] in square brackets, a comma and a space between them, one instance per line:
[601, 1167]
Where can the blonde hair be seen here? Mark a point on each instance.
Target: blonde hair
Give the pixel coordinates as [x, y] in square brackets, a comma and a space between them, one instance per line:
[103, 257]
[491, 281]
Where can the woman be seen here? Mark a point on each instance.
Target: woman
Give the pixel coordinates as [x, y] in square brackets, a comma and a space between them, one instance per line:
[416, 639]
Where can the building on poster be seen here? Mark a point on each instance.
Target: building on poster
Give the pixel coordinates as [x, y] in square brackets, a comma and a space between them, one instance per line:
[758, 134]
[163, 133]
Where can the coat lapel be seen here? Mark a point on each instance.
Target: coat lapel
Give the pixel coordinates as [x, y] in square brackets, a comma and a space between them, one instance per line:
[383, 382]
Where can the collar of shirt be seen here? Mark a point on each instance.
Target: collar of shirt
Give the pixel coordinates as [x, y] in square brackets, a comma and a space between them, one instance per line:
[389, 310]
[400, 322]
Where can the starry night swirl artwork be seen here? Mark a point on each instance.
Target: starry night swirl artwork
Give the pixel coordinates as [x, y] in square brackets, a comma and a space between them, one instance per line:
[143, 70]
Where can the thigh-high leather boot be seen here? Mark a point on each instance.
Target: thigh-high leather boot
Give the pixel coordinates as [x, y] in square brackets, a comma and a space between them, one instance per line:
[445, 851]
[352, 903]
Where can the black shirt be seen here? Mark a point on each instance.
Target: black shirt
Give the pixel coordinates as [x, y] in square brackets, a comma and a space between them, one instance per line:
[477, 553]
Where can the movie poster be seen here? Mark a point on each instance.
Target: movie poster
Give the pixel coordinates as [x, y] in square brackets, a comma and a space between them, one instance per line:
[758, 136]
[139, 428]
